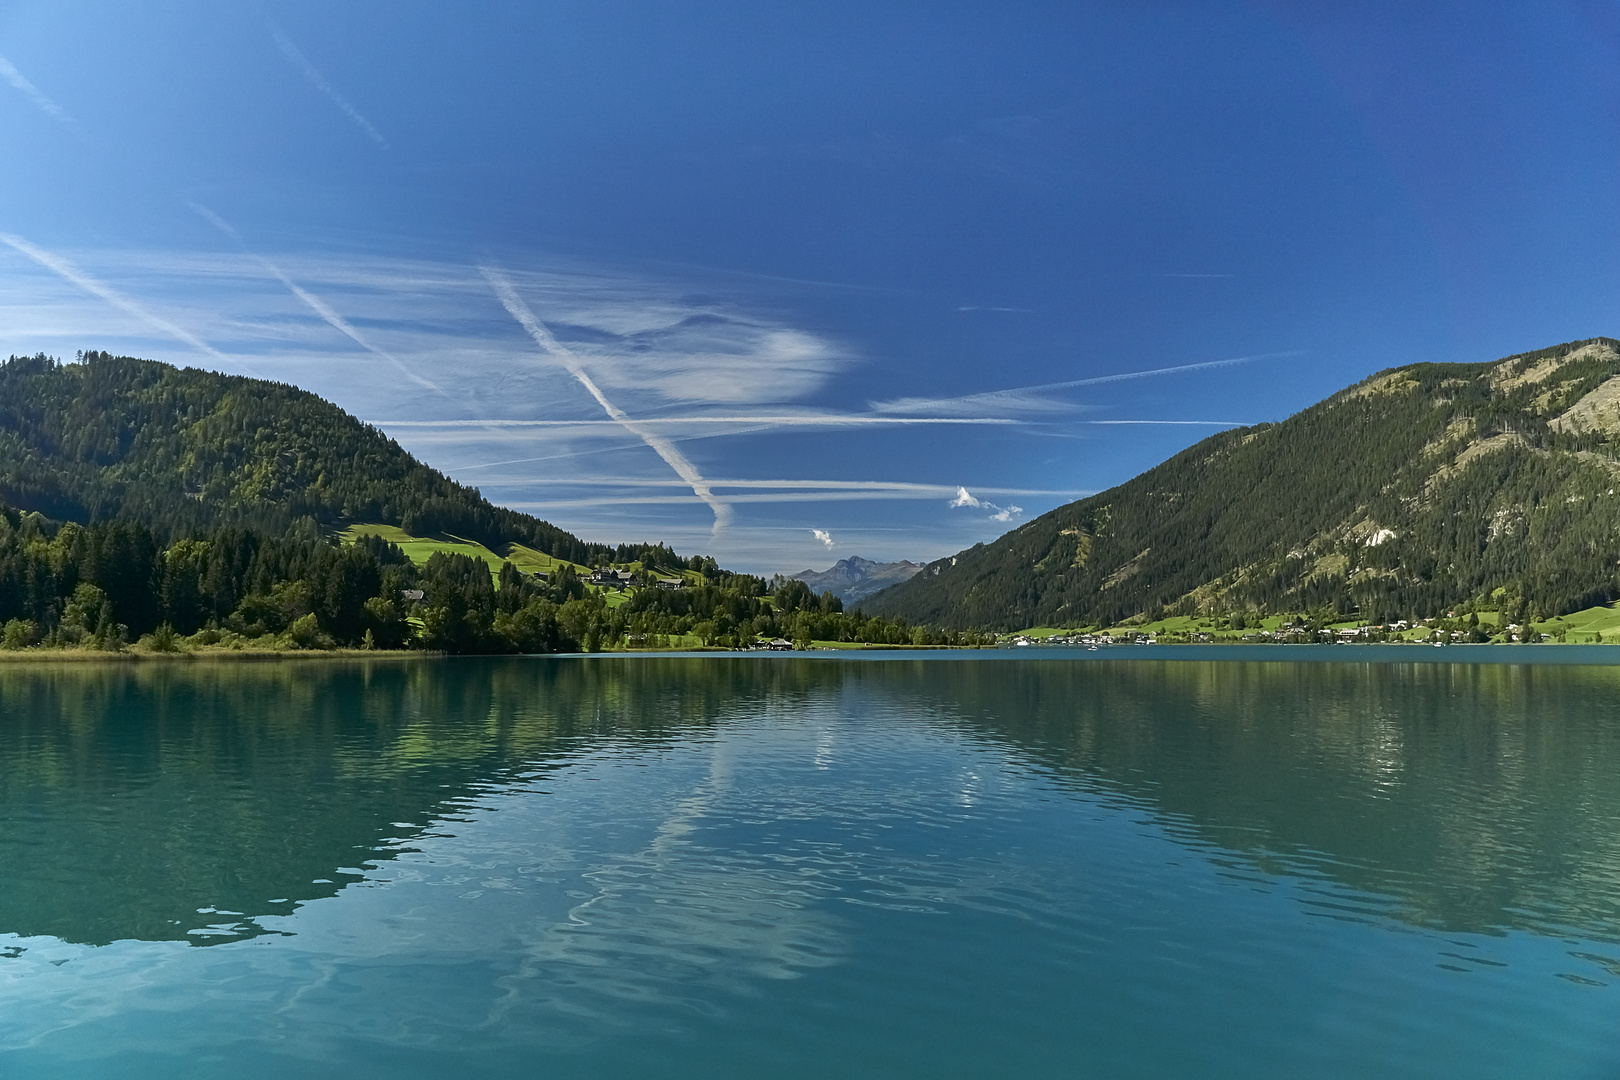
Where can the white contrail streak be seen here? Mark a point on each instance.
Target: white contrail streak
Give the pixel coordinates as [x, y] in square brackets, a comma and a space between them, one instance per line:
[1122, 376]
[340, 324]
[316, 304]
[552, 347]
[762, 497]
[298, 60]
[32, 92]
[788, 420]
[880, 486]
[989, 396]
[66, 270]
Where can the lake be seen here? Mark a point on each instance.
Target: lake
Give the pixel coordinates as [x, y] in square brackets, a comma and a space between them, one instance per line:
[1341, 862]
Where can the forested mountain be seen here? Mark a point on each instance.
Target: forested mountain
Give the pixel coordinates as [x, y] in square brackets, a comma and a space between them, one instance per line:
[1419, 489]
[180, 449]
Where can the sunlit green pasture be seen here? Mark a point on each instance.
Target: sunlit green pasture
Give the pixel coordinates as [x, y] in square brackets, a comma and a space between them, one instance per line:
[420, 549]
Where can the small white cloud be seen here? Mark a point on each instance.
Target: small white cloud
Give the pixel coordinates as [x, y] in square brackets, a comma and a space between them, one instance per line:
[824, 536]
[997, 513]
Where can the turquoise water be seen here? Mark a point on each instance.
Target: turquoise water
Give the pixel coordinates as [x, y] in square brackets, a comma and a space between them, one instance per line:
[1230, 863]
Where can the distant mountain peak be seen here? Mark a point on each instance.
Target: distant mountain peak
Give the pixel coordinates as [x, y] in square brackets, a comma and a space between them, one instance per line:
[855, 565]
[855, 578]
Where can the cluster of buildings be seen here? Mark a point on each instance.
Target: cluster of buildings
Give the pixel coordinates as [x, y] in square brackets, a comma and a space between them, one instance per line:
[1086, 639]
[1286, 635]
[608, 578]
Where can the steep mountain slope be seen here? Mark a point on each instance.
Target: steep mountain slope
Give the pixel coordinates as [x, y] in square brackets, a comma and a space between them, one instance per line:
[180, 449]
[854, 579]
[1418, 489]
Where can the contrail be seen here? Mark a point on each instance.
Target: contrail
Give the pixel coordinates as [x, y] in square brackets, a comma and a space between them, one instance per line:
[32, 92]
[1122, 376]
[316, 304]
[913, 404]
[661, 446]
[788, 420]
[1184, 423]
[61, 267]
[880, 486]
[318, 81]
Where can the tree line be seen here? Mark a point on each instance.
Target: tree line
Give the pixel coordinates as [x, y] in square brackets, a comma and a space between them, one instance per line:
[111, 583]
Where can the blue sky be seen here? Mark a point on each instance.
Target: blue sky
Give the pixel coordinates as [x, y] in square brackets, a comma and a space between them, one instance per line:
[791, 283]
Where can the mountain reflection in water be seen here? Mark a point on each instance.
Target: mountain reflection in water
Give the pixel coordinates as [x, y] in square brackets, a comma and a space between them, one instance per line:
[187, 801]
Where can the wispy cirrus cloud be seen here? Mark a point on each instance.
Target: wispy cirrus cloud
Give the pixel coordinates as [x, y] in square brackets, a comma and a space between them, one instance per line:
[705, 356]
[652, 346]
[312, 75]
[9, 72]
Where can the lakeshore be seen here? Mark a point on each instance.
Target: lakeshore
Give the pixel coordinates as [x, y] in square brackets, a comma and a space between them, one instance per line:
[1051, 647]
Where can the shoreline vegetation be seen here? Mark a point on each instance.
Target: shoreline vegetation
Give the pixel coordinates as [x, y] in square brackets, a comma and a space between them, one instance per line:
[138, 655]
[1598, 625]
[143, 653]
[115, 586]
[69, 658]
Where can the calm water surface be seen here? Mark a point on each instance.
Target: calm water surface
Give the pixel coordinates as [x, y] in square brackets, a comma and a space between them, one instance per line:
[1062, 865]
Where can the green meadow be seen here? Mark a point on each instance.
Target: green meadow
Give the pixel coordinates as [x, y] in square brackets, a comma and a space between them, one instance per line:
[419, 549]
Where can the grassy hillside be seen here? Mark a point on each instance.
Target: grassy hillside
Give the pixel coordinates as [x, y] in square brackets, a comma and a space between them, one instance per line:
[1420, 489]
[419, 549]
